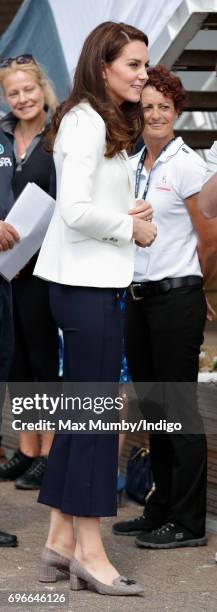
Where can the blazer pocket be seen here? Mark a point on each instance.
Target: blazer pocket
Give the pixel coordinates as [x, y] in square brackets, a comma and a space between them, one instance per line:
[74, 236]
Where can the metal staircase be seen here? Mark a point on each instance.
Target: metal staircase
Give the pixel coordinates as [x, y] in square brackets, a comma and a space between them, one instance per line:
[188, 46]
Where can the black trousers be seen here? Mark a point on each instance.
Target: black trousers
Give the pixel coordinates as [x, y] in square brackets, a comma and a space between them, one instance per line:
[6, 339]
[81, 474]
[163, 335]
[36, 350]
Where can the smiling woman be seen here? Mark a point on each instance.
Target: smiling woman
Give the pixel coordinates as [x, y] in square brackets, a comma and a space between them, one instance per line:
[29, 96]
[87, 255]
[164, 320]
[26, 100]
[127, 75]
[105, 77]
[163, 100]
[23, 93]
[27, 92]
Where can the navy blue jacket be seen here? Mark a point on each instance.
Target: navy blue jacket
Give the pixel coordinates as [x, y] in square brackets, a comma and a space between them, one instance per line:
[6, 175]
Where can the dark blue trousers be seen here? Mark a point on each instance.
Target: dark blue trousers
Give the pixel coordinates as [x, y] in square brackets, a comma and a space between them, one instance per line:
[6, 337]
[81, 474]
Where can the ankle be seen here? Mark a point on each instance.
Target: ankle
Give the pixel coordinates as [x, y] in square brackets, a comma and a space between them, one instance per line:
[29, 453]
[63, 549]
[90, 557]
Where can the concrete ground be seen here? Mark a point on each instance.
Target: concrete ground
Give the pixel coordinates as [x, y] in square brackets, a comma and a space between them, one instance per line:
[181, 580]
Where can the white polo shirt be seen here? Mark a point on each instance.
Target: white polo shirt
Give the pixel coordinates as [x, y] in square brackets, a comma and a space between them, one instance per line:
[177, 174]
[212, 160]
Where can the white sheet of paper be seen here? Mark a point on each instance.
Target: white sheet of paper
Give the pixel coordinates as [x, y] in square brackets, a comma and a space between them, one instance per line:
[30, 215]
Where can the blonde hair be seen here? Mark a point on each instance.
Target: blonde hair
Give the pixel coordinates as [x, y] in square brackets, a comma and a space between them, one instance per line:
[40, 76]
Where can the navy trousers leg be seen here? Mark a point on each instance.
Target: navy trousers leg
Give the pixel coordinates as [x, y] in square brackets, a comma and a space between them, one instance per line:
[81, 474]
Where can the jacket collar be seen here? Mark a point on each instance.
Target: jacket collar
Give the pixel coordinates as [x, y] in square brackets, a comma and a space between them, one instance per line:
[9, 122]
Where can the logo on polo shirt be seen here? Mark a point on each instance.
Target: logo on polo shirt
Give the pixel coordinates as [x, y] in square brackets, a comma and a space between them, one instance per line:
[1, 149]
[163, 185]
[5, 161]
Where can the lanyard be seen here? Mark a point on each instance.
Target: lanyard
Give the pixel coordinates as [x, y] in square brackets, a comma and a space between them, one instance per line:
[140, 167]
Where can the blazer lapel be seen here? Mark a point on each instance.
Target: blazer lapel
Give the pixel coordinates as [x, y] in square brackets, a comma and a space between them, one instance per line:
[125, 159]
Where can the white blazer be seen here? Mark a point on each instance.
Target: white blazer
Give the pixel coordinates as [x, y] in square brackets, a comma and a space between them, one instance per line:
[89, 239]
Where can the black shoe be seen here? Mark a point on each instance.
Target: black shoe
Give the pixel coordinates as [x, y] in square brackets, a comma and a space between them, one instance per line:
[32, 479]
[142, 523]
[16, 466]
[170, 535]
[8, 540]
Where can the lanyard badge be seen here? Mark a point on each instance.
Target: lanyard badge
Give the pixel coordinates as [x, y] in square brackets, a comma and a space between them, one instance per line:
[140, 167]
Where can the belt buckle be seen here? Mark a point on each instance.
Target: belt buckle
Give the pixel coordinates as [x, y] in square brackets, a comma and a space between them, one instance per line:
[166, 285]
[133, 293]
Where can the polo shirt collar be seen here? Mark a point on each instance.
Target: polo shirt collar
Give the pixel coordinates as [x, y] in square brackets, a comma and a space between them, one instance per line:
[170, 151]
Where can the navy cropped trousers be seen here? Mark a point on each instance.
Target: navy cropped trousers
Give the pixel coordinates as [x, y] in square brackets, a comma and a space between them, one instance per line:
[81, 474]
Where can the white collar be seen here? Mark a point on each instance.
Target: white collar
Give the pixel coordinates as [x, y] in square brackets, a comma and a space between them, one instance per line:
[170, 151]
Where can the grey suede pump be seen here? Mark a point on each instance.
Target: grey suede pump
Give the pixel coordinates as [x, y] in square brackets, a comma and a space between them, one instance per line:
[80, 578]
[51, 561]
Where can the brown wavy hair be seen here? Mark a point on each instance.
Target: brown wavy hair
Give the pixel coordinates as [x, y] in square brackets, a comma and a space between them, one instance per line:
[104, 44]
[168, 84]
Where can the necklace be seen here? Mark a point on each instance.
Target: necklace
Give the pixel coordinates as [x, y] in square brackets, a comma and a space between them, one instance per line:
[24, 142]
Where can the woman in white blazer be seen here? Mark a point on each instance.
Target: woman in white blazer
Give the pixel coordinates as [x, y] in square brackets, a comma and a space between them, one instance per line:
[87, 255]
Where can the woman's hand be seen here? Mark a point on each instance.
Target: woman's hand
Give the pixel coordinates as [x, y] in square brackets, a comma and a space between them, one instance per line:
[211, 313]
[8, 236]
[142, 210]
[144, 233]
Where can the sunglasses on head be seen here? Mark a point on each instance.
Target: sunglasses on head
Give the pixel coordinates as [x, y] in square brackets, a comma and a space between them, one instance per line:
[20, 59]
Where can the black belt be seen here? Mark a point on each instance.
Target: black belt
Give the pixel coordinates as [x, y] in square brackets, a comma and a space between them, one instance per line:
[140, 290]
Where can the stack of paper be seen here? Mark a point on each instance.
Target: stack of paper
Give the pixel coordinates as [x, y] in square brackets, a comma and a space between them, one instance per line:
[30, 216]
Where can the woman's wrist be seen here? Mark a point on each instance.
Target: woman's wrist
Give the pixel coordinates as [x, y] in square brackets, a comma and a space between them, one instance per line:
[136, 225]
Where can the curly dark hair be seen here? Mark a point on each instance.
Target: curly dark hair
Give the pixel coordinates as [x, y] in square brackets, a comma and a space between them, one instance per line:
[104, 44]
[168, 84]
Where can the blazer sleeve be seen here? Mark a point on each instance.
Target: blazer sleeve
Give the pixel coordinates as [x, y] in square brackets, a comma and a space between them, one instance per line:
[82, 140]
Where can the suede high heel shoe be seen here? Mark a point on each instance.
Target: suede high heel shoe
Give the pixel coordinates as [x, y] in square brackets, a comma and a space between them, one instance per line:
[51, 561]
[80, 578]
